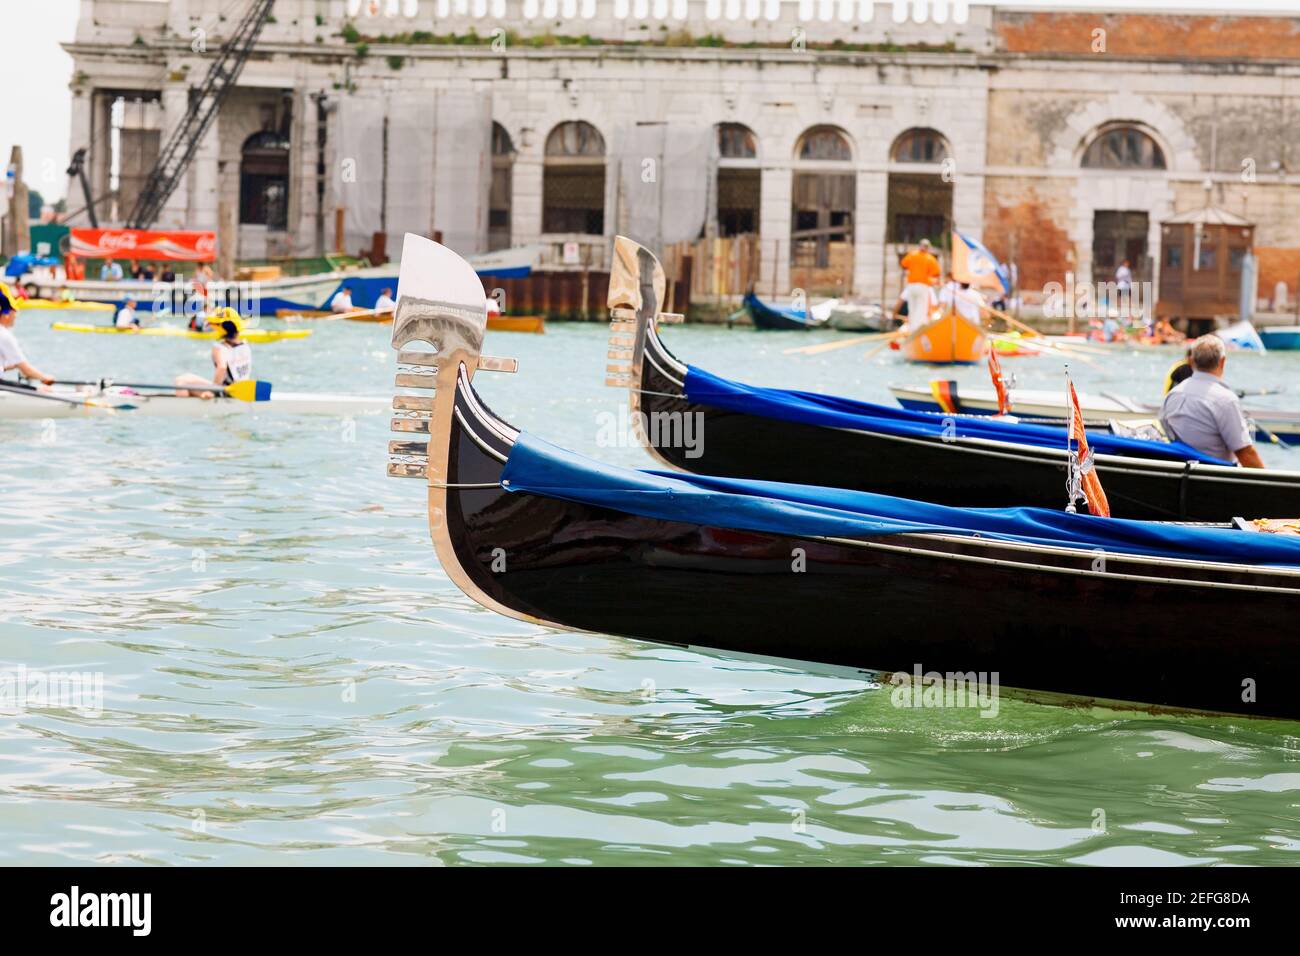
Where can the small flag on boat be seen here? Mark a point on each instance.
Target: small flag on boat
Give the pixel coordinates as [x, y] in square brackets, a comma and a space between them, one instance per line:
[1083, 482]
[945, 393]
[973, 263]
[999, 383]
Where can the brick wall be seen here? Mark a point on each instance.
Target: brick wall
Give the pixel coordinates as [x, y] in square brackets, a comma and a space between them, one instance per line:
[1182, 37]
[1031, 220]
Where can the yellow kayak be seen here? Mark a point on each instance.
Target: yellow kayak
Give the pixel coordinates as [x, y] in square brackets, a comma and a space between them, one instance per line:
[176, 332]
[71, 305]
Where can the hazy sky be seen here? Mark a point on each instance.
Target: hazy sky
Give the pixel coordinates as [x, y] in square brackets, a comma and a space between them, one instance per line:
[34, 74]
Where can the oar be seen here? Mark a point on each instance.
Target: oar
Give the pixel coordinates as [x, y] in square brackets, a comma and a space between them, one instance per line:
[33, 393]
[251, 390]
[841, 343]
[892, 337]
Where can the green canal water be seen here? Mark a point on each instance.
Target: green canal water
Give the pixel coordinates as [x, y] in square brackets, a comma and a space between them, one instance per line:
[289, 677]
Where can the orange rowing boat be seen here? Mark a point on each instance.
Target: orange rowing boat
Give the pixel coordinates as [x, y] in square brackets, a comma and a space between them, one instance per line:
[950, 340]
[516, 323]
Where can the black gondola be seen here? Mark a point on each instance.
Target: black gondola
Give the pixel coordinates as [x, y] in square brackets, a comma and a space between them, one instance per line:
[945, 467]
[1172, 632]
[776, 318]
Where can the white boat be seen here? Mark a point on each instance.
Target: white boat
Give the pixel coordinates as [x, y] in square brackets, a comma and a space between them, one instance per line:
[265, 297]
[117, 402]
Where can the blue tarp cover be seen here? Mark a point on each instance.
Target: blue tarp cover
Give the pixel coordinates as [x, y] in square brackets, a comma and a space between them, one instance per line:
[834, 412]
[806, 510]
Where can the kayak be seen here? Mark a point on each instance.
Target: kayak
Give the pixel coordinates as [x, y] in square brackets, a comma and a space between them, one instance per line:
[118, 402]
[177, 332]
[72, 305]
[1028, 403]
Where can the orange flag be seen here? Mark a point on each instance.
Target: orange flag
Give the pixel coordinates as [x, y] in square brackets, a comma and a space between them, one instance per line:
[999, 384]
[1089, 482]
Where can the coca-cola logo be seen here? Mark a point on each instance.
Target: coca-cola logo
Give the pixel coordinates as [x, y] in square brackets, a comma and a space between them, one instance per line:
[117, 240]
[206, 243]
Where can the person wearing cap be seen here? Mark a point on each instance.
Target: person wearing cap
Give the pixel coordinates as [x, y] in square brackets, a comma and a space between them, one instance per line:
[922, 270]
[11, 353]
[232, 358]
[1202, 411]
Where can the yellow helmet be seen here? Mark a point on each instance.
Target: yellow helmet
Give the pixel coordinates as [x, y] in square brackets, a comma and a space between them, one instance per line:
[226, 314]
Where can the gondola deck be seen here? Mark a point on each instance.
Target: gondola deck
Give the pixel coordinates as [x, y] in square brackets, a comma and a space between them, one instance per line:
[1056, 618]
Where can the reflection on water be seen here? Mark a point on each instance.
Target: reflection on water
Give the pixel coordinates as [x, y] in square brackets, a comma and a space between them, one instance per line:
[289, 676]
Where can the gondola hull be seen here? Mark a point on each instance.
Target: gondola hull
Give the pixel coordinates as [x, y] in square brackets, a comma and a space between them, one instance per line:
[1056, 619]
[769, 317]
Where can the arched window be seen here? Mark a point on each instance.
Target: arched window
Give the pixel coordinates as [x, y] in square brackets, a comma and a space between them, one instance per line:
[264, 180]
[920, 146]
[824, 143]
[739, 180]
[1123, 147]
[573, 180]
[503, 158]
[823, 201]
[736, 141]
[575, 139]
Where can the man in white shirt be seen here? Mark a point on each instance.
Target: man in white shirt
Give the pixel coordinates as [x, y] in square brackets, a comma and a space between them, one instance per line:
[110, 271]
[126, 317]
[1205, 413]
[962, 299]
[342, 301]
[11, 353]
[385, 302]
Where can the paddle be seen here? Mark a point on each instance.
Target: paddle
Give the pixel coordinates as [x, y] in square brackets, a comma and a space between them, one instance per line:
[251, 390]
[33, 393]
[841, 343]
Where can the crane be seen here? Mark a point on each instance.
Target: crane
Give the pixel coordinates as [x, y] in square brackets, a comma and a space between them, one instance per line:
[205, 101]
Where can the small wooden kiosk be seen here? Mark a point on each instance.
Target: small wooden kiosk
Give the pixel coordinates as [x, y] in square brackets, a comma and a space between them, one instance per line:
[1201, 257]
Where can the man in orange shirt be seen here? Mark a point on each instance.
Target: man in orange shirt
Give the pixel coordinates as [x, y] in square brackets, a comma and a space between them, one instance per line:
[922, 276]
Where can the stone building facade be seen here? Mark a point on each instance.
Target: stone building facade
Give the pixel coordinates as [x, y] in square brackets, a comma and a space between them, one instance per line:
[833, 129]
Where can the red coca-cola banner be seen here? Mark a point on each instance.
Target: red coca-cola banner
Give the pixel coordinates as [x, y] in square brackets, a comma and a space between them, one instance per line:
[170, 244]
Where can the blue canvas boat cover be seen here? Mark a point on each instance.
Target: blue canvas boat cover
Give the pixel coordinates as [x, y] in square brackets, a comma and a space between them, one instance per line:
[540, 468]
[832, 411]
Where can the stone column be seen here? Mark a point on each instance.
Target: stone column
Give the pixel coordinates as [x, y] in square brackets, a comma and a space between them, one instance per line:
[175, 103]
[869, 230]
[526, 201]
[774, 231]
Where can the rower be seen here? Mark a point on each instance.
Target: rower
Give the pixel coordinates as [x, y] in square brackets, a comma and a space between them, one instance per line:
[11, 353]
[922, 270]
[959, 297]
[232, 358]
[342, 301]
[126, 317]
[1205, 413]
[385, 302]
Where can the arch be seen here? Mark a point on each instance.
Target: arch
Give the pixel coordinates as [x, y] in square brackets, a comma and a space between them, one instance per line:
[920, 144]
[573, 180]
[1122, 145]
[739, 180]
[575, 139]
[736, 141]
[823, 201]
[824, 143]
[264, 180]
[501, 192]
